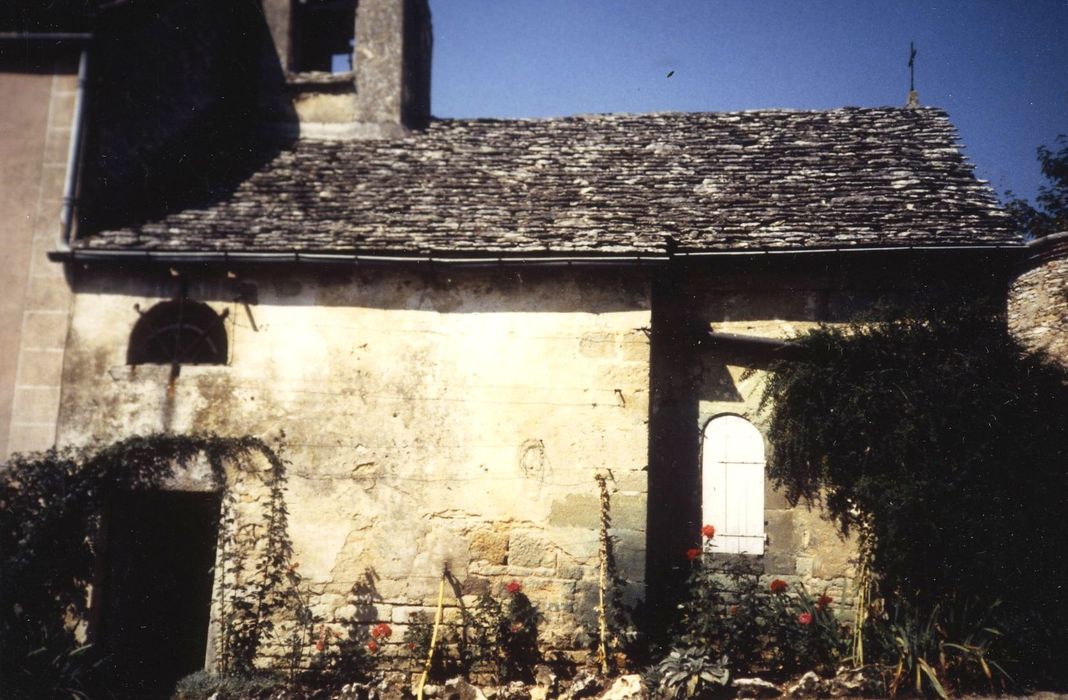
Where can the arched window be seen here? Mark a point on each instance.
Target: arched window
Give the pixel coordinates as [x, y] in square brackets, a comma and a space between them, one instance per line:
[732, 471]
[179, 332]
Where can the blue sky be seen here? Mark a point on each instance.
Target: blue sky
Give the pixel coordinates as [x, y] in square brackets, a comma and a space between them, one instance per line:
[999, 67]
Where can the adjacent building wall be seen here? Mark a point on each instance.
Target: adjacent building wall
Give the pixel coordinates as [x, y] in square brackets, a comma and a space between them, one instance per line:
[775, 298]
[38, 90]
[1038, 298]
[449, 418]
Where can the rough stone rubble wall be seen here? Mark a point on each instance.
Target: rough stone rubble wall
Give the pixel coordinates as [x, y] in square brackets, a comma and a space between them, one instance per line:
[430, 420]
[801, 547]
[1038, 299]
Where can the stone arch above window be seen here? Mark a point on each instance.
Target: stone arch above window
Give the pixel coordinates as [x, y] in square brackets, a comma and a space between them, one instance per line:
[732, 476]
[179, 332]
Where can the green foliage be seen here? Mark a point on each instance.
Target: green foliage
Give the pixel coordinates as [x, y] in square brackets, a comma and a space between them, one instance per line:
[944, 651]
[498, 636]
[209, 686]
[953, 441]
[456, 651]
[51, 507]
[687, 673]
[753, 628]
[1051, 216]
[513, 629]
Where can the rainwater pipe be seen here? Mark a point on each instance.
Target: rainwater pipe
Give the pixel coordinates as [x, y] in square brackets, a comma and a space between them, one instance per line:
[74, 158]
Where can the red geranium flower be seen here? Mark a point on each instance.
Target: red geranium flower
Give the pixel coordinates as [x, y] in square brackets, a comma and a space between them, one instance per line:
[823, 601]
[708, 531]
[732, 610]
[513, 587]
[805, 618]
[320, 646]
[381, 630]
[372, 646]
[778, 586]
[693, 553]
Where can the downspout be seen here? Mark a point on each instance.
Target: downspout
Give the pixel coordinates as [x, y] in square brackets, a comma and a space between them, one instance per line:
[74, 158]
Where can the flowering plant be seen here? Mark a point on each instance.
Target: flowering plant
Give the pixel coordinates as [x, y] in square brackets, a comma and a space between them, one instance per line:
[756, 627]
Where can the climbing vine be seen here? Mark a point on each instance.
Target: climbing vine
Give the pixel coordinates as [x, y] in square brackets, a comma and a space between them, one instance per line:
[51, 507]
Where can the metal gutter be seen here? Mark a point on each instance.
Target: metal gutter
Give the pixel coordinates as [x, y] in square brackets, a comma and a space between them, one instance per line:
[224, 257]
[74, 157]
[46, 36]
[849, 249]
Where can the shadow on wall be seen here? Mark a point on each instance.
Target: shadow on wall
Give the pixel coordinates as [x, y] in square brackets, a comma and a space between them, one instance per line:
[416, 288]
[172, 117]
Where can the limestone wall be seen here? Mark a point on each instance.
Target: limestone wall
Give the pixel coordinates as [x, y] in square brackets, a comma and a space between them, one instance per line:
[769, 301]
[38, 92]
[445, 418]
[1038, 298]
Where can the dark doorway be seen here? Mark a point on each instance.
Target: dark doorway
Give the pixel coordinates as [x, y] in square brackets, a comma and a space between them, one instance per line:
[157, 589]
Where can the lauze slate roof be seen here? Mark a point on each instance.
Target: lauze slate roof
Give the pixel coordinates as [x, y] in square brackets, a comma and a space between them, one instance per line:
[613, 184]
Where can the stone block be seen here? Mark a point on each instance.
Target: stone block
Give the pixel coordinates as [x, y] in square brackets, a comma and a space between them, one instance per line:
[40, 367]
[576, 510]
[598, 344]
[473, 586]
[41, 266]
[44, 329]
[47, 294]
[53, 181]
[779, 527]
[634, 347]
[30, 438]
[570, 570]
[57, 149]
[35, 404]
[403, 613]
[490, 546]
[835, 561]
[528, 550]
[630, 553]
[780, 563]
[628, 512]
[773, 498]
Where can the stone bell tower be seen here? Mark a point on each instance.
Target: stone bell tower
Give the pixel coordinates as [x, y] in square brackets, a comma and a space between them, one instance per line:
[351, 68]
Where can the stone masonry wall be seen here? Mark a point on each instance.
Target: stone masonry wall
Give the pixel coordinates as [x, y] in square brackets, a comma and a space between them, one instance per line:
[1038, 298]
[782, 302]
[431, 420]
[34, 151]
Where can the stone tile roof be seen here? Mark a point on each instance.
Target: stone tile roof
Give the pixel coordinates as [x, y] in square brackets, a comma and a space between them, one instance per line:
[622, 184]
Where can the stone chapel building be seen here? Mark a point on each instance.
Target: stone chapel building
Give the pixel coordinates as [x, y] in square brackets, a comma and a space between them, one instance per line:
[249, 223]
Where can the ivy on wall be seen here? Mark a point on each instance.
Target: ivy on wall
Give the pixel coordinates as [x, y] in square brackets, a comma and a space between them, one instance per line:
[944, 444]
[51, 507]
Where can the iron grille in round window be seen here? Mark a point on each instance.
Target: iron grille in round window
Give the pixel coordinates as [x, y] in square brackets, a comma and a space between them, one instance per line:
[178, 333]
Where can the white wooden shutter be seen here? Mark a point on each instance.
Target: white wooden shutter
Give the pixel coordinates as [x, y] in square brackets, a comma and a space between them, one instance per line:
[733, 485]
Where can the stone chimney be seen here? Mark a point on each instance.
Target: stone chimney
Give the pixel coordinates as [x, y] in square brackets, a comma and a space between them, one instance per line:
[347, 68]
[393, 47]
